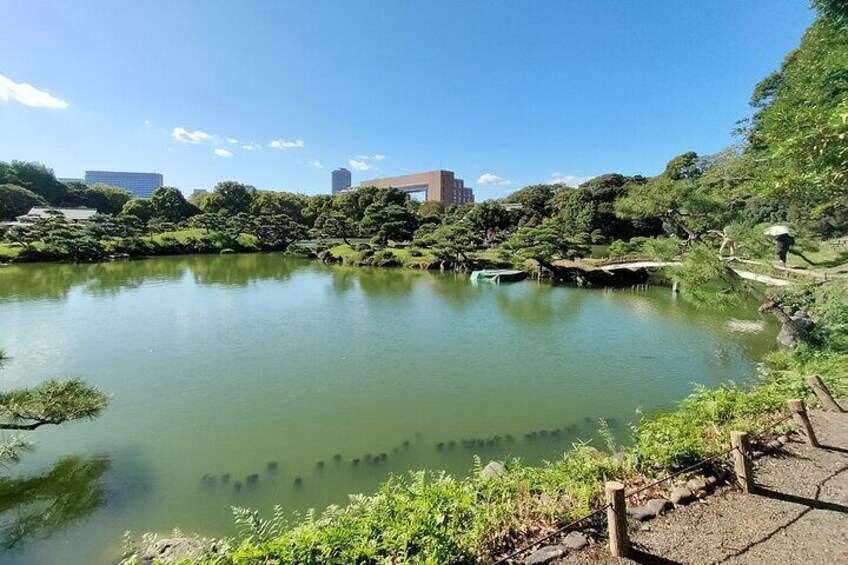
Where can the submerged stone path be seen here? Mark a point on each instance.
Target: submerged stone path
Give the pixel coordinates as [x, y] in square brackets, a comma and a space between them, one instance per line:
[798, 515]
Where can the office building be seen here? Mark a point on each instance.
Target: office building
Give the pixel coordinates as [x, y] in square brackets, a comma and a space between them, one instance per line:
[437, 186]
[140, 185]
[341, 180]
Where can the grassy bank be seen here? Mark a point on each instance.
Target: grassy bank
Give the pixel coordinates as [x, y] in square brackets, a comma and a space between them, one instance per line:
[430, 517]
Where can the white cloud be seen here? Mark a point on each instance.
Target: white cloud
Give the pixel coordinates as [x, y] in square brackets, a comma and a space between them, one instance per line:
[223, 153]
[568, 180]
[283, 144]
[147, 123]
[197, 136]
[315, 163]
[362, 157]
[251, 146]
[28, 95]
[359, 165]
[379, 157]
[232, 140]
[490, 179]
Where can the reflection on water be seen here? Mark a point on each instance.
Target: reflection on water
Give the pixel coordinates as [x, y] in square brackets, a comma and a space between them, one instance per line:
[259, 379]
[41, 505]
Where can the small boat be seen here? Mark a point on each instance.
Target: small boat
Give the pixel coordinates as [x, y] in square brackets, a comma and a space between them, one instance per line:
[497, 276]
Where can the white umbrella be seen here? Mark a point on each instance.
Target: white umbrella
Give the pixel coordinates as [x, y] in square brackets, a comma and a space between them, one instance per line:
[777, 230]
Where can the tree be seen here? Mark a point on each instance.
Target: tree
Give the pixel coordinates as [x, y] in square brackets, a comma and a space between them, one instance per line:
[431, 209]
[141, 208]
[678, 196]
[267, 202]
[16, 201]
[50, 403]
[488, 217]
[336, 225]
[453, 242]
[797, 136]
[231, 197]
[536, 202]
[103, 198]
[276, 231]
[208, 221]
[35, 177]
[388, 221]
[543, 244]
[169, 204]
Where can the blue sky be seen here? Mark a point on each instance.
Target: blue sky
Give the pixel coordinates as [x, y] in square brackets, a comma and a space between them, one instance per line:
[499, 92]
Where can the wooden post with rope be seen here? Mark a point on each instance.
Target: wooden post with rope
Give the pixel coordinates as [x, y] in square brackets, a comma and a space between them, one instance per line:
[619, 542]
[742, 461]
[824, 395]
[799, 415]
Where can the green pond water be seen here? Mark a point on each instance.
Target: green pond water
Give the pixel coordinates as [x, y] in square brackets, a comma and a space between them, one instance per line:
[224, 364]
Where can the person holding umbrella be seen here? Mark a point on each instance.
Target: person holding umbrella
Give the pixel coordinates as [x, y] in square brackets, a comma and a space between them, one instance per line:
[783, 241]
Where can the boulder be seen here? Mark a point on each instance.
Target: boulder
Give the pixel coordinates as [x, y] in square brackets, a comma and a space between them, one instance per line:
[681, 496]
[641, 513]
[546, 555]
[791, 335]
[783, 440]
[575, 540]
[696, 484]
[167, 550]
[227, 251]
[658, 506]
[492, 470]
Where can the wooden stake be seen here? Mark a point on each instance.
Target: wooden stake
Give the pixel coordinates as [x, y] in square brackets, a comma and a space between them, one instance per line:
[617, 520]
[799, 415]
[824, 395]
[742, 461]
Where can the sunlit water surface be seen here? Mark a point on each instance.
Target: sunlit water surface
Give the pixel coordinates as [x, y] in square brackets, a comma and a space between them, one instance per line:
[261, 364]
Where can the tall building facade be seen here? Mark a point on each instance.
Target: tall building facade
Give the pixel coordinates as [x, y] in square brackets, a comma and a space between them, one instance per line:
[341, 180]
[140, 185]
[438, 186]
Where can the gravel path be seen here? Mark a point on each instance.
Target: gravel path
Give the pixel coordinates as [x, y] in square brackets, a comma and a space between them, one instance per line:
[799, 515]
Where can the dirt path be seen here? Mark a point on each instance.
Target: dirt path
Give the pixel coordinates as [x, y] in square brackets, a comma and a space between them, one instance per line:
[799, 515]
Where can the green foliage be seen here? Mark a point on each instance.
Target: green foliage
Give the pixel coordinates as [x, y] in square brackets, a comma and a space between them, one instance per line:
[388, 221]
[706, 281]
[141, 208]
[536, 203]
[657, 248]
[488, 215]
[798, 134]
[432, 518]
[16, 201]
[51, 402]
[169, 205]
[544, 243]
[229, 197]
[103, 198]
[34, 177]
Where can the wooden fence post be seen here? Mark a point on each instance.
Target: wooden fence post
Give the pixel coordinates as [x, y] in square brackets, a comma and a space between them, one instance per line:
[824, 395]
[742, 461]
[617, 520]
[799, 414]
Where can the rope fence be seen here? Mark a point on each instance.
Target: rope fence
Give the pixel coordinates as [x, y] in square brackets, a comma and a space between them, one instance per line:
[742, 467]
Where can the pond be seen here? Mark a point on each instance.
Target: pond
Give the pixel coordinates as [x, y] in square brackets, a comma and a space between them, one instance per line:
[254, 380]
